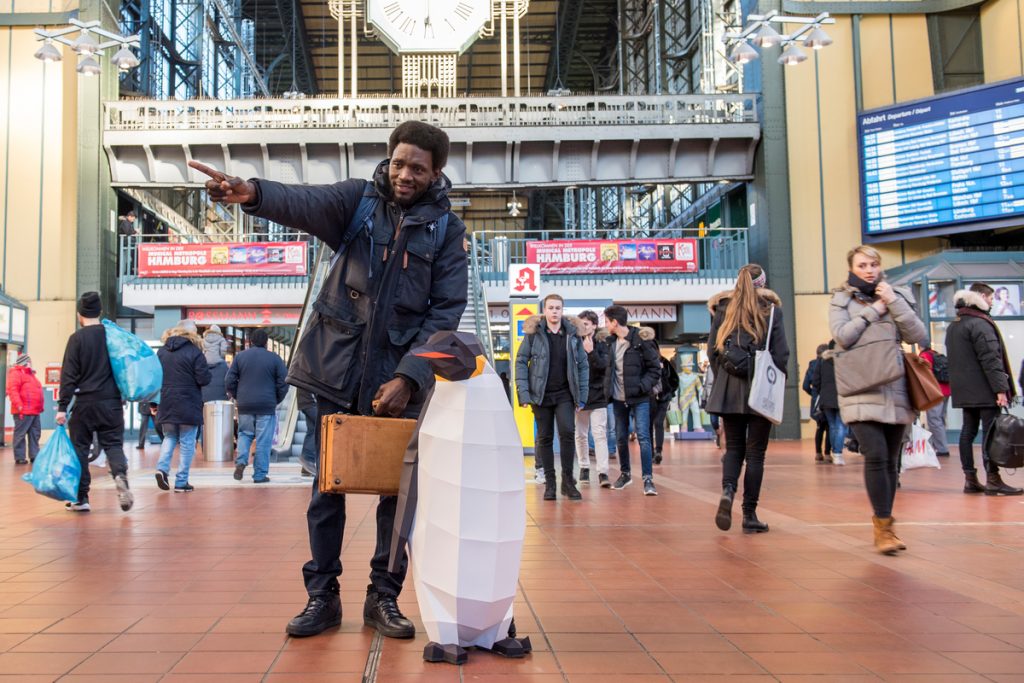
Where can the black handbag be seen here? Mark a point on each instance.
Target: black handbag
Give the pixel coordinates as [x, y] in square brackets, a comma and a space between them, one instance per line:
[1005, 441]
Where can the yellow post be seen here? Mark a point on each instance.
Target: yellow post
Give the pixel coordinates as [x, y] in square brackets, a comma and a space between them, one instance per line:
[521, 310]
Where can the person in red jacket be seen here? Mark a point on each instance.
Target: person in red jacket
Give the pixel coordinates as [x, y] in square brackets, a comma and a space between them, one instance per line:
[26, 394]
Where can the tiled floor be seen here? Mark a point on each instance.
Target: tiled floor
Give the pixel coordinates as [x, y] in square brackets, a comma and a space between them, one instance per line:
[198, 587]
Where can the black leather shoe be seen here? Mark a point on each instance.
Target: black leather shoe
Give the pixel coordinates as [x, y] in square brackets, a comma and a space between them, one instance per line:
[381, 612]
[723, 519]
[752, 525]
[570, 491]
[549, 489]
[321, 613]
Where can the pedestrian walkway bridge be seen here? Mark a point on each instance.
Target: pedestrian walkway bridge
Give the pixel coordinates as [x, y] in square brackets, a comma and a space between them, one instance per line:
[496, 142]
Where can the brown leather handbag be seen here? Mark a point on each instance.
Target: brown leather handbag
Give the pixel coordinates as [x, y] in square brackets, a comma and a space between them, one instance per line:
[922, 386]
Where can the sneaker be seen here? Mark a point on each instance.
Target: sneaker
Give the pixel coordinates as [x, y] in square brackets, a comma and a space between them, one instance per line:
[21, 462]
[584, 475]
[623, 481]
[649, 489]
[239, 471]
[381, 612]
[538, 477]
[570, 491]
[838, 459]
[161, 480]
[604, 481]
[184, 488]
[79, 506]
[124, 496]
[264, 480]
[321, 613]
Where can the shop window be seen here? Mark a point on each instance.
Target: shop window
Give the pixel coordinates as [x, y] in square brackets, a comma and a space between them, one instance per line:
[955, 41]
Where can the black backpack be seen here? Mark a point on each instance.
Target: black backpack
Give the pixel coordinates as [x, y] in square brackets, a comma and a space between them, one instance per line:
[1004, 442]
[940, 367]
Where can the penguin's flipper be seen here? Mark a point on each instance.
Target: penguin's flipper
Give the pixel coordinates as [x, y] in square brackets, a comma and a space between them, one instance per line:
[453, 654]
[405, 510]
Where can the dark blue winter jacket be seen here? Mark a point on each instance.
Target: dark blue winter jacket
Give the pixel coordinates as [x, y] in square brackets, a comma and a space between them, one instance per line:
[256, 380]
[216, 389]
[389, 291]
[185, 373]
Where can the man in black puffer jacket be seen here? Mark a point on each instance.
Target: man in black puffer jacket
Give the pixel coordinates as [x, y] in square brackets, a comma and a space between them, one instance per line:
[980, 382]
[395, 281]
[594, 414]
[634, 367]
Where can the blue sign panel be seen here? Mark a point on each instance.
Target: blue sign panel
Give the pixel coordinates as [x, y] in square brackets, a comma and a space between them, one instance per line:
[945, 164]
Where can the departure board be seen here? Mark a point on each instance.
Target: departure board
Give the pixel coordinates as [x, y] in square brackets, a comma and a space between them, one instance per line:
[950, 163]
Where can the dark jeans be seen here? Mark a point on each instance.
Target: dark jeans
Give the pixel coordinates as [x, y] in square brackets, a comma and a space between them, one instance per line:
[641, 414]
[880, 444]
[973, 417]
[564, 415]
[325, 519]
[746, 440]
[821, 437]
[107, 420]
[26, 429]
[836, 430]
[659, 409]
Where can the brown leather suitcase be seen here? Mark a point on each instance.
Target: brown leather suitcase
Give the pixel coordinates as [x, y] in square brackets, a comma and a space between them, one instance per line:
[360, 454]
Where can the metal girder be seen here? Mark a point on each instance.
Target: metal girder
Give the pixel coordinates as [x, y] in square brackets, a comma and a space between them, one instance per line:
[561, 50]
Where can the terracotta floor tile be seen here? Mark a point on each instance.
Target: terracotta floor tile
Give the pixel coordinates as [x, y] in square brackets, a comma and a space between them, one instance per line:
[886, 663]
[962, 642]
[813, 663]
[12, 640]
[776, 642]
[111, 678]
[212, 678]
[719, 663]
[64, 642]
[173, 625]
[621, 663]
[593, 642]
[40, 662]
[240, 642]
[329, 661]
[129, 663]
[312, 678]
[224, 662]
[153, 642]
[685, 642]
[92, 625]
[990, 662]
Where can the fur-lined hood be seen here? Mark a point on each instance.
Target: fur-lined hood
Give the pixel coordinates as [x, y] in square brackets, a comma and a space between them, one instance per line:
[645, 333]
[532, 324]
[766, 294]
[966, 297]
[600, 334]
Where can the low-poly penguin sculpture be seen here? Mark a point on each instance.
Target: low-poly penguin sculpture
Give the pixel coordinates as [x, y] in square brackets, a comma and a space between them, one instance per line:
[462, 505]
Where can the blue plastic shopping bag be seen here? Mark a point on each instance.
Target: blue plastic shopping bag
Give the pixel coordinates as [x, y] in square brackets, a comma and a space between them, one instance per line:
[137, 369]
[57, 470]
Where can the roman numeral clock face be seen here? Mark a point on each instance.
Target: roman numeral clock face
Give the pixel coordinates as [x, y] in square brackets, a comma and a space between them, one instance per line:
[428, 25]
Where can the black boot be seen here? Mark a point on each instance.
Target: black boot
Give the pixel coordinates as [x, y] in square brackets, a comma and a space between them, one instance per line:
[723, 520]
[657, 456]
[569, 489]
[971, 483]
[751, 524]
[995, 486]
[381, 612]
[549, 488]
[321, 613]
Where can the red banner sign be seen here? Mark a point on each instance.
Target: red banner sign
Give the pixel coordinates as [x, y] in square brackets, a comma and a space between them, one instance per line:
[614, 256]
[222, 259]
[243, 316]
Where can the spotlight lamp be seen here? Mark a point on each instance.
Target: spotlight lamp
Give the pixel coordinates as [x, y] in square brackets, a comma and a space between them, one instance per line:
[87, 46]
[514, 207]
[760, 32]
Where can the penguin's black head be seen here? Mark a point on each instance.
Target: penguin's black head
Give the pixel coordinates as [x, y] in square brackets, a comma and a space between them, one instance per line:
[453, 356]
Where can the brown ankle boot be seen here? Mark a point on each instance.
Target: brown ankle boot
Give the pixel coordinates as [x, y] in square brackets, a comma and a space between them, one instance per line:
[971, 483]
[885, 541]
[899, 541]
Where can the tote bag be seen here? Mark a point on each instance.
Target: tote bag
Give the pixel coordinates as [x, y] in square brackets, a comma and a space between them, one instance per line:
[918, 452]
[768, 387]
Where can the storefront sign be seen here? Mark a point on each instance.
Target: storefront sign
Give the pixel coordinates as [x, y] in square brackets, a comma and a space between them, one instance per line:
[222, 259]
[241, 317]
[614, 256]
[651, 313]
[498, 314]
[524, 280]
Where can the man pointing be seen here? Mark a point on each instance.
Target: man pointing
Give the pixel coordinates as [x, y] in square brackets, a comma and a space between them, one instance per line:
[398, 276]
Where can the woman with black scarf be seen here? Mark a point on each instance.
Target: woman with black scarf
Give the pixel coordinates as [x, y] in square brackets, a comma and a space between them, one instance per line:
[869, 319]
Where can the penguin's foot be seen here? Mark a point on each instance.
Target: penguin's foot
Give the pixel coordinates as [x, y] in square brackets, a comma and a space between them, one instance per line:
[513, 648]
[453, 654]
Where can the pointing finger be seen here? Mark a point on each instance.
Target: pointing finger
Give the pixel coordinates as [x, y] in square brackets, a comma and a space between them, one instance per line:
[207, 170]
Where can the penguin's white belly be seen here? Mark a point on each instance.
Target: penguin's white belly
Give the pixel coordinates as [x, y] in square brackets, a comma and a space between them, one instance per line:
[467, 536]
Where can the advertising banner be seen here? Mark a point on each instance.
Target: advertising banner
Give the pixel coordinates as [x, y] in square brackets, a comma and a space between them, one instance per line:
[245, 316]
[222, 259]
[524, 416]
[614, 256]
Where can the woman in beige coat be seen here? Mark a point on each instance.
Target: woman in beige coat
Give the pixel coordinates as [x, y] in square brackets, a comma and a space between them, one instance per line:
[869, 319]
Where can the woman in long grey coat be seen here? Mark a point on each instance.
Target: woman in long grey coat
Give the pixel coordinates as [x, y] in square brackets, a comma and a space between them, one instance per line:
[869, 319]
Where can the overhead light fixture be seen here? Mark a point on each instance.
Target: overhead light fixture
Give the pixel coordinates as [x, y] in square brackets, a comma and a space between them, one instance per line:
[514, 207]
[124, 59]
[86, 44]
[817, 39]
[792, 55]
[766, 36]
[743, 53]
[88, 66]
[48, 53]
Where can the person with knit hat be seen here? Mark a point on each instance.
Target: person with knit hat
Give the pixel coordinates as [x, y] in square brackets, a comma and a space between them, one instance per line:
[86, 376]
[26, 394]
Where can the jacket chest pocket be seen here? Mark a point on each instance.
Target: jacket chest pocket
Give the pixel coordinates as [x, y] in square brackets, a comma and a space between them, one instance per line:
[413, 292]
[329, 348]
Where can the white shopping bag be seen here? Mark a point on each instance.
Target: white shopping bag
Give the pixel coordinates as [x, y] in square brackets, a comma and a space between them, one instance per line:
[918, 452]
[768, 386]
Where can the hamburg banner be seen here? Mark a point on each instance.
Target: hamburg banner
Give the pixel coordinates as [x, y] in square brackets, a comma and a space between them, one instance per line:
[222, 259]
[614, 256]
